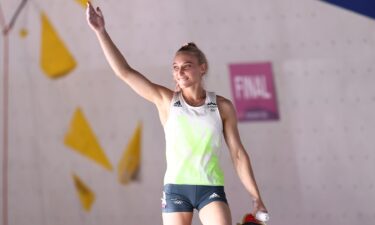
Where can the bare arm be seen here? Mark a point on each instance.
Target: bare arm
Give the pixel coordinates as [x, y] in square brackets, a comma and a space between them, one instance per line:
[139, 83]
[240, 158]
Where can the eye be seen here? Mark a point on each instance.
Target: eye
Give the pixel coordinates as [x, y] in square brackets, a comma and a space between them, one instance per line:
[175, 68]
[187, 66]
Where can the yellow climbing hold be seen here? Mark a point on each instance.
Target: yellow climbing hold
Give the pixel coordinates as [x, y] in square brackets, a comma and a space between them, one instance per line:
[23, 32]
[129, 164]
[82, 139]
[82, 2]
[55, 58]
[86, 196]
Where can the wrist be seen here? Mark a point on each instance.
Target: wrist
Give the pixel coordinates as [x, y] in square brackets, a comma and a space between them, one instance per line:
[256, 198]
[100, 31]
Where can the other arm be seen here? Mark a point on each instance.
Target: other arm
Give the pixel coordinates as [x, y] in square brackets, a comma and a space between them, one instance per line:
[240, 158]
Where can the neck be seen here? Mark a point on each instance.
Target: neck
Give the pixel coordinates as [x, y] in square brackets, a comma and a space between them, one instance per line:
[194, 96]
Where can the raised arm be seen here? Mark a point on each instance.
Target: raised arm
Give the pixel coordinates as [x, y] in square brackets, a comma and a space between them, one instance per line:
[139, 83]
[240, 158]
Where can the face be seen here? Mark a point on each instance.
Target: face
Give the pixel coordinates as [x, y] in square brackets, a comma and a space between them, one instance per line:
[187, 71]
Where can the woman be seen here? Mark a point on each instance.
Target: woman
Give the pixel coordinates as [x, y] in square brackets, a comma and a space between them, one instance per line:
[193, 121]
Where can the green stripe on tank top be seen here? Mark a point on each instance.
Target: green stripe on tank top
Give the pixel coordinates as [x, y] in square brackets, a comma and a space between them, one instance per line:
[201, 148]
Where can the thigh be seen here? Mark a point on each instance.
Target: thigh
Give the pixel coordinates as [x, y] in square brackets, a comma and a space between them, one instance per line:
[215, 213]
[177, 218]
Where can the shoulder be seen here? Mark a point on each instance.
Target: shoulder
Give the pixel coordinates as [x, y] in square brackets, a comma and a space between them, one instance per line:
[222, 101]
[225, 106]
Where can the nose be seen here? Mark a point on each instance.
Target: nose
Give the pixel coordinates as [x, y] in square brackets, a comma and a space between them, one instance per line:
[179, 71]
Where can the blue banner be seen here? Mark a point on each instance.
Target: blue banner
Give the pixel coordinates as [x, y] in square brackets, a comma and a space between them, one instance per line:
[364, 7]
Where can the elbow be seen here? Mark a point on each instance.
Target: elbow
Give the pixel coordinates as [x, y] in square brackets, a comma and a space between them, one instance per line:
[240, 156]
[124, 72]
[236, 156]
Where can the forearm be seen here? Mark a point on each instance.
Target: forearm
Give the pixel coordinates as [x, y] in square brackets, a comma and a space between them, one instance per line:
[114, 57]
[244, 170]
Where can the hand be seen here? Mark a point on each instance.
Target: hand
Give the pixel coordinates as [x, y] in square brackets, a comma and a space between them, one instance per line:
[95, 18]
[258, 206]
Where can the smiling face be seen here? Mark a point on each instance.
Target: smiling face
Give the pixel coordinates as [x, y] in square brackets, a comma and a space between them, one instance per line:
[187, 71]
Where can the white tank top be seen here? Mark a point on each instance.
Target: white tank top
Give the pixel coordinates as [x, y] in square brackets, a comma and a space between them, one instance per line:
[193, 141]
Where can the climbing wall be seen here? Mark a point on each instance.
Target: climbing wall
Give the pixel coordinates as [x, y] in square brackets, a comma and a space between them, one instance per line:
[80, 147]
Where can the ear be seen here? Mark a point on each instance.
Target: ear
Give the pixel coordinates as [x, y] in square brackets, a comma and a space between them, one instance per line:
[203, 68]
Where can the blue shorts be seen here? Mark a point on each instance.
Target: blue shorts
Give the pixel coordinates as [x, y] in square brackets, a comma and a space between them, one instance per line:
[186, 198]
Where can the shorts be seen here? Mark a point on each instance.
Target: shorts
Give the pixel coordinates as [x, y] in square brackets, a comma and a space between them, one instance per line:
[186, 198]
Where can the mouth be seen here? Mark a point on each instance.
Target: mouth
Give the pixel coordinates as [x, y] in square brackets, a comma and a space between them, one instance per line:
[182, 79]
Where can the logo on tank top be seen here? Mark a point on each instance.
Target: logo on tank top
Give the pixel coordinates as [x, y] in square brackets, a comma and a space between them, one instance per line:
[212, 106]
[177, 104]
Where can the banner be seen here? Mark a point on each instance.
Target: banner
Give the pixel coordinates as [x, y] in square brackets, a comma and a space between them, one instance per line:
[253, 91]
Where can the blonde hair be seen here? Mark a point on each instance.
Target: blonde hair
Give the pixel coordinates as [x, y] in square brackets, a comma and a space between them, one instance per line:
[193, 49]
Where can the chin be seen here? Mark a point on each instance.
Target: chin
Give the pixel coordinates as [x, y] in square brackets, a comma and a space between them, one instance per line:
[182, 86]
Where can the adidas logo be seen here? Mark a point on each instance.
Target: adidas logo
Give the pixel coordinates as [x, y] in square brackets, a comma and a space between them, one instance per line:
[177, 104]
[212, 106]
[214, 195]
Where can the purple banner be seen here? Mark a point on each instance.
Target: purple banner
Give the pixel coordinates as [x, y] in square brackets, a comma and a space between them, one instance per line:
[253, 91]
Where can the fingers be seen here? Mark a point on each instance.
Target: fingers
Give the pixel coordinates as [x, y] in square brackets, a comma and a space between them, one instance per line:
[94, 17]
[255, 210]
[89, 4]
[91, 11]
[99, 11]
[90, 8]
